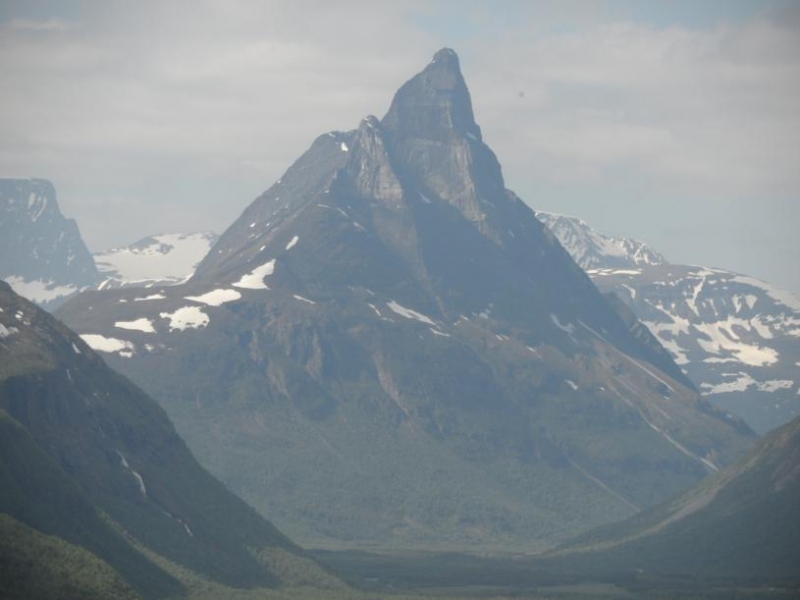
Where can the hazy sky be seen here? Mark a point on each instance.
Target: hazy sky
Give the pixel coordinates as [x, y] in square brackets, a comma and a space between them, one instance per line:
[677, 123]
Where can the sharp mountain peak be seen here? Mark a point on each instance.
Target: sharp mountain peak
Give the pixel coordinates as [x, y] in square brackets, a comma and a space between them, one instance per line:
[433, 103]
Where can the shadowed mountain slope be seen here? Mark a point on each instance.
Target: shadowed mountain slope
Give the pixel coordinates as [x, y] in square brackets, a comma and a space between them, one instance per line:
[388, 348]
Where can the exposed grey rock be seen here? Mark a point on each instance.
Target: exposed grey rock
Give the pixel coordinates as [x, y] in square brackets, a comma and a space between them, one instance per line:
[388, 347]
[42, 254]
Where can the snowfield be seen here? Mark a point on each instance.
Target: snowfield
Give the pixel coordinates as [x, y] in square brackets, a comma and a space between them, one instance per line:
[254, 280]
[188, 317]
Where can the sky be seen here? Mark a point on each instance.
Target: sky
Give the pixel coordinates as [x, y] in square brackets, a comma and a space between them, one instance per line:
[677, 123]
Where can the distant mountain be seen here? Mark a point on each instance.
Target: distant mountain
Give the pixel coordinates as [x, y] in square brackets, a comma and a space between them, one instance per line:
[591, 249]
[736, 337]
[741, 524]
[42, 254]
[87, 457]
[388, 348]
[163, 259]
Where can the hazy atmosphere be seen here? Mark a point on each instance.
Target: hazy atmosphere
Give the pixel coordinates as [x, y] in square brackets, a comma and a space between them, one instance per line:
[405, 300]
[676, 123]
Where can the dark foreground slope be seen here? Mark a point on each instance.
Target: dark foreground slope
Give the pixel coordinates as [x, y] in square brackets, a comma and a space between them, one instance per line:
[388, 348]
[86, 456]
[742, 525]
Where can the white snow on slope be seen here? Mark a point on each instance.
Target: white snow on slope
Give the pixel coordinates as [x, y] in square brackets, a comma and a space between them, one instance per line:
[743, 382]
[216, 297]
[168, 257]
[787, 299]
[144, 325]
[409, 314]
[720, 343]
[605, 272]
[39, 291]
[292, 243]
[254, 280]
[4, 332]
[188, 317]
[158, 296]
[101, 343]
[302, 299]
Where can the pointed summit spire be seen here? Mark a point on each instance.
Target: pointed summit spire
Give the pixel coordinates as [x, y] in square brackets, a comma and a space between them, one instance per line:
[433, 103]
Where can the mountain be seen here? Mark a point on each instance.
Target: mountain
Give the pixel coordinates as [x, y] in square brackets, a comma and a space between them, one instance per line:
[87, 457]
[42, 254]
[591, 249]
[736, 337]
[163, 259]
[741, 524]
[388, 348]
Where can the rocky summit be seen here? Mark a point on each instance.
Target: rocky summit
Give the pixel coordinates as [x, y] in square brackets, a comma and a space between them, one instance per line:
[42, 254]
[388, 349]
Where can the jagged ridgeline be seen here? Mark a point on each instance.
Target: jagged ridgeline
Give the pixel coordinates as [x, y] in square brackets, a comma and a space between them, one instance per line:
[736, 337]
[100, 496]
[388, 348]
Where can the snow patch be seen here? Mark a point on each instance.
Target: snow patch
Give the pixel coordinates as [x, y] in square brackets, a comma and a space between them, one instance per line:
[743, 382]
[569, 328]
[39, 291]
[409, 314]
[298, 297]
[144, 325]
[158, 296]
[188, 317]
[571, 384]
[344, 147]
[787, 299]
[254, 280]
[216, 297]
[292, 243]
[101, 343]
[168, 257]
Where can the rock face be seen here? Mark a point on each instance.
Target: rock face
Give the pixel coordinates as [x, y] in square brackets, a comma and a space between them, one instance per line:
[86, 456]
[591, 249]
[388, 348]
[163, 259]
[736, 337]
[740, 525]
[42, 254]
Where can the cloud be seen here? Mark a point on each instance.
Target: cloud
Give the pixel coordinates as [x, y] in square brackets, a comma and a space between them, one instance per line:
[713, 109]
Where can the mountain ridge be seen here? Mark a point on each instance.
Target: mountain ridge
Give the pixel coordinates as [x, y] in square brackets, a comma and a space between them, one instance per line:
[42, 253]
[735, 336]
[387, 317]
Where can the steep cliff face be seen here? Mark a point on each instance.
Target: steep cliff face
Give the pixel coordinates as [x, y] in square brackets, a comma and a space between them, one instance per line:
[42, 254]
[387, 347]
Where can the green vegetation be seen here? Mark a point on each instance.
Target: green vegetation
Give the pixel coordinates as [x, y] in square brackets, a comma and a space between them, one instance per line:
[34, 565]
[86, 456]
